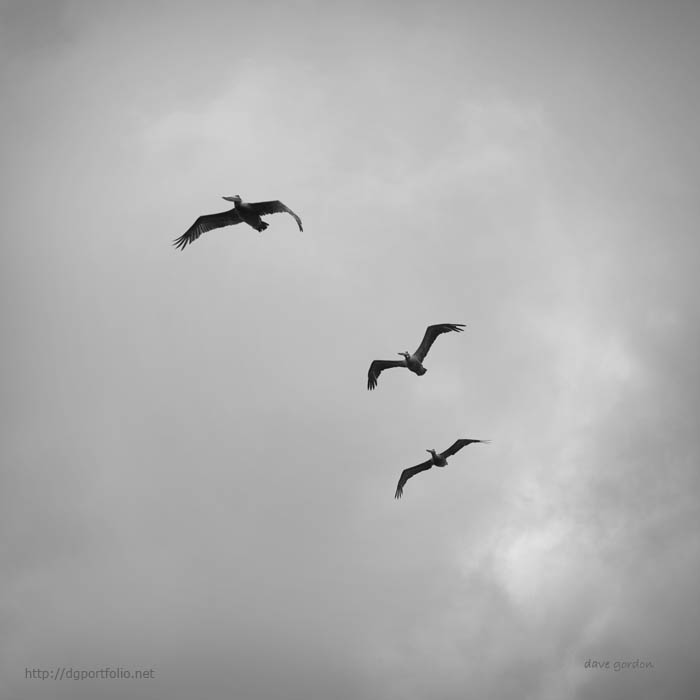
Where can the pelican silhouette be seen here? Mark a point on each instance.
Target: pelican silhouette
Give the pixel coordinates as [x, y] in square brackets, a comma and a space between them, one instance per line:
[412, 362]
[246, 212]
[436, 460]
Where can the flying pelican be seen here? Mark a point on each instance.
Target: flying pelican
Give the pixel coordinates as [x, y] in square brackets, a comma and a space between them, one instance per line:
[413, 362]
[248, 212]
[436, 460]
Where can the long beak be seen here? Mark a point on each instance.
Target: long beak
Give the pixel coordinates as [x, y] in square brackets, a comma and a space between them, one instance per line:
[228, 199]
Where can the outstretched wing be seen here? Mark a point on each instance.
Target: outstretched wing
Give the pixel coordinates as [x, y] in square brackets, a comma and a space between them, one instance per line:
[377, 367]
[458, 446]
[275, 207]
[406, 474]
[207, 223]
[433, 332]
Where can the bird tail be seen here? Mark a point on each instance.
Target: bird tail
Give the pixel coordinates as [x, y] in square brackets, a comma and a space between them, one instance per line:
[421, 371]
[263, 226]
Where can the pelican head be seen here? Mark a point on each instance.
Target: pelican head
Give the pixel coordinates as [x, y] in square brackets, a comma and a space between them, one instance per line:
[404, 354]
[236, 198]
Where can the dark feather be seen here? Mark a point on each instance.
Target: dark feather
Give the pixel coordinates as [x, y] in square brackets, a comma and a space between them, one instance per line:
[458, 446]
[406, 474]
[377, 367]
[433, 332]
[273, 207]
[207, 223]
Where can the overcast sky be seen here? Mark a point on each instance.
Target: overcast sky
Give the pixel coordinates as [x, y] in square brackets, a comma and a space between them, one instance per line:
[194, 476]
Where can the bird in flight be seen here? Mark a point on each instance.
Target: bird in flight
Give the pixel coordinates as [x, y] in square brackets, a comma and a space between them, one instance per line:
[436, 460]
[412, 362]
[247, 212]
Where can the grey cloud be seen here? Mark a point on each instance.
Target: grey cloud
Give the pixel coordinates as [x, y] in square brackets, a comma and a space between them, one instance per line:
[195, 478]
